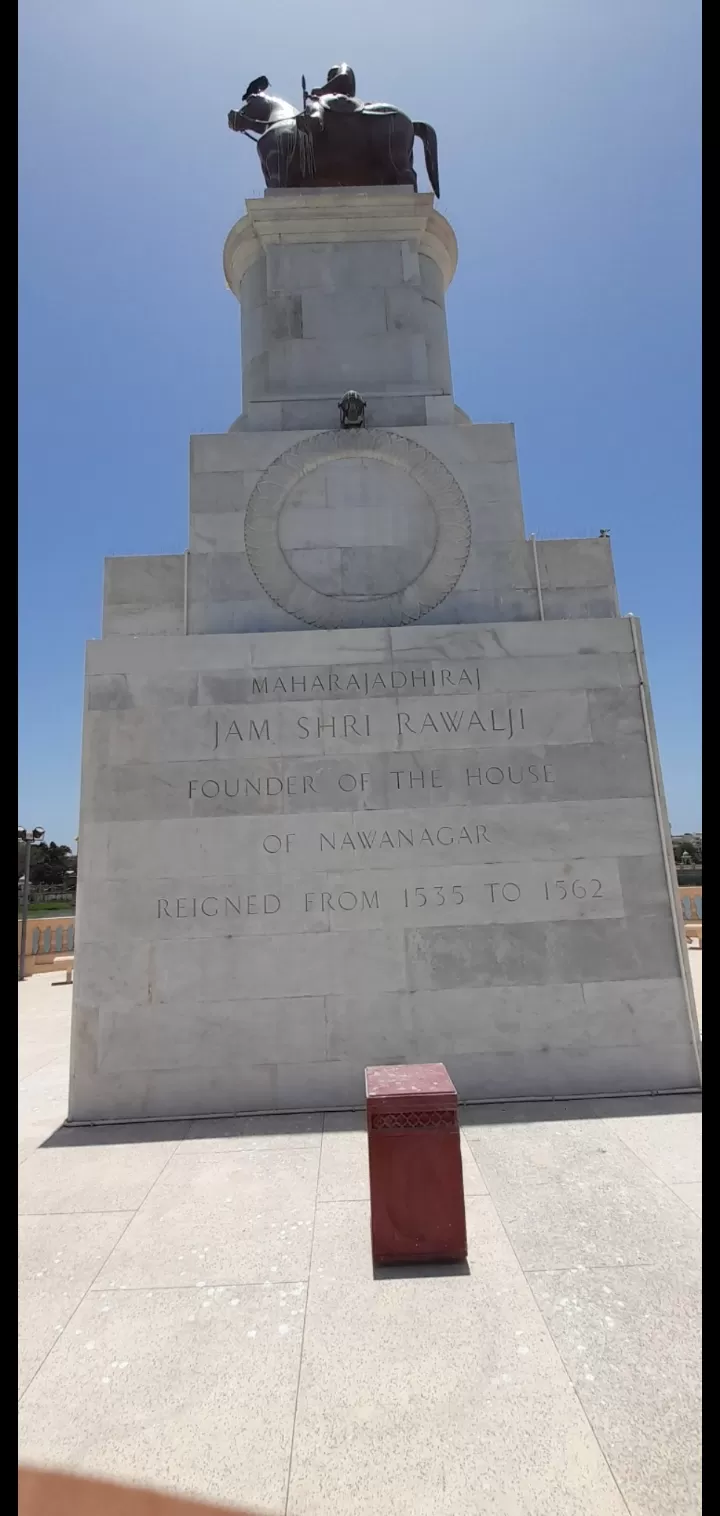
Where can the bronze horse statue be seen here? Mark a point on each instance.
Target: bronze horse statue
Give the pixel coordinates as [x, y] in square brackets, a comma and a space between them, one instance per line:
[335, 140]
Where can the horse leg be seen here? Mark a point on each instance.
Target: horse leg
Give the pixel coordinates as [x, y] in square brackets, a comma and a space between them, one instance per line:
[279, 156]
[270, 166]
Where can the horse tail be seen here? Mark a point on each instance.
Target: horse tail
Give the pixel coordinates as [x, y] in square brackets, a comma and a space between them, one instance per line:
[429, 141]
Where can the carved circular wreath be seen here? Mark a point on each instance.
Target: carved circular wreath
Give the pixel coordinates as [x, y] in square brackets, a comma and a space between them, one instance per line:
[427, 589]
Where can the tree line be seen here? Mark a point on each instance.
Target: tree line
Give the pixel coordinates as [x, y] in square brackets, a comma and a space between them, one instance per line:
[52, 865]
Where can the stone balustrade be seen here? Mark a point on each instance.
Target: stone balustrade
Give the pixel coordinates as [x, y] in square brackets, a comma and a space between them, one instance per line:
[691, 907]
[48, 938]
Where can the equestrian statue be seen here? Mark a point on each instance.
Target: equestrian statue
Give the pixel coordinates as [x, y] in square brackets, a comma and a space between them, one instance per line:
[335, 140]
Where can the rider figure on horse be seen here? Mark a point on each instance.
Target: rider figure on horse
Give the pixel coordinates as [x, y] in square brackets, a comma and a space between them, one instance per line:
[298, 147]
[338, 94]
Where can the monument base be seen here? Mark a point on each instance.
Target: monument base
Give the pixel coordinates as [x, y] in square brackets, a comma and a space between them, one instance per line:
[304, 853]
[368, 777]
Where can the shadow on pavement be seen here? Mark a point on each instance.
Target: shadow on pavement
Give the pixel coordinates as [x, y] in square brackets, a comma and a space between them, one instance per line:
[507, 1113]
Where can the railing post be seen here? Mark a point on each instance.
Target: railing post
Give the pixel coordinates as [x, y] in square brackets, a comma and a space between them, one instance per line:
[25, 902]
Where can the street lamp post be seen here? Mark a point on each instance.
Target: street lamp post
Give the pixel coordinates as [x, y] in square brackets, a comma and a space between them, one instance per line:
[28, 837]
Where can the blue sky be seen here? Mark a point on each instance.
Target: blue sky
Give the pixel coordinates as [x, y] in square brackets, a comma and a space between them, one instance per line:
[569, 160]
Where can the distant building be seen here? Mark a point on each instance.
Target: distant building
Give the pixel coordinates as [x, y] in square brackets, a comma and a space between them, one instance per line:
[687, 851]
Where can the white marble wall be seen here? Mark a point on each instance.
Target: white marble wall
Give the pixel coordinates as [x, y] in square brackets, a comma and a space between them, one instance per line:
[342, 289]
[305, 851]
[498, 582]
[301, 853]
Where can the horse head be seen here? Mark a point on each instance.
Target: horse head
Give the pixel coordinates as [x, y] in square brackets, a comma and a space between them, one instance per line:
[259, 109]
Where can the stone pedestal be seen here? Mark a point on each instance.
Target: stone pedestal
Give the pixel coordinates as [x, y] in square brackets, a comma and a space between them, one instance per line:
[342, 289]
[417, 1203]
[367, 776]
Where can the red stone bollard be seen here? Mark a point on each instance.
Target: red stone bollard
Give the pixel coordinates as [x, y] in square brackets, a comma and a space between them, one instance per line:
[417, 1206]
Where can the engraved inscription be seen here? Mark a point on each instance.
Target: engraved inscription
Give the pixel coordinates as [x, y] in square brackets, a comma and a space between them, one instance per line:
[418, 778]
[252, 789]
[275, 844]
[375, 899]
[349, 782]
[254, 731]
[345, 900]
[532, 773]
[577, 889]
[402, 723]
[474, 721]
[507, 721]
[436, 894]
[320, 683]
[336, 726]
[365, 839]
[185, 907]
[268, 786]
[384, 838]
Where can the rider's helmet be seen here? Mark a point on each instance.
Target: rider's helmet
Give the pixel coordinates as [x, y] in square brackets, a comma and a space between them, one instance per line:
[342, 71]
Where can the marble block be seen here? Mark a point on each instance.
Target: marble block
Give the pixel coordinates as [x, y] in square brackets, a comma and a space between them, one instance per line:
[388, 526]
[341, 289]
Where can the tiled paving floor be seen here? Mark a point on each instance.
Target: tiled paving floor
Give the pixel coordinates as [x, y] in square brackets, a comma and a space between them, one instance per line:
[199, 1313]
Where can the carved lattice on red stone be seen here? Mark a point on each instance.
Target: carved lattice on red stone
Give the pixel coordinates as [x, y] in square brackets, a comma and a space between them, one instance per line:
[414, 1121]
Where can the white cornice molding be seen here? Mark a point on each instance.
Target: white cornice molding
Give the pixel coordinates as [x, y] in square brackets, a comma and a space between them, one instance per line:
[385, 214]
